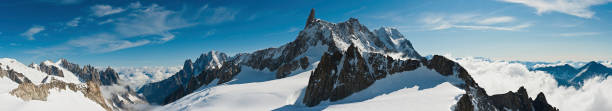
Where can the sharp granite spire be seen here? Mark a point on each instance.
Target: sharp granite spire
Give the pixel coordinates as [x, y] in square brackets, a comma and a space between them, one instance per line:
[311, 18]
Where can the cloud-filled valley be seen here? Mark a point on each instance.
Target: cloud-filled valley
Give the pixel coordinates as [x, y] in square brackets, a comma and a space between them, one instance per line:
[498, 77]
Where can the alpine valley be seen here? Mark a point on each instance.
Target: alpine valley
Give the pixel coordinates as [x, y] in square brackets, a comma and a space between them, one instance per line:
[329, 66]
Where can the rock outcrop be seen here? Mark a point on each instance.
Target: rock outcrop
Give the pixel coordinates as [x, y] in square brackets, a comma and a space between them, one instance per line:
[14, 76]
[515, 101]
[50, 69]
[339, 75]
[29, 91]
[90, 73]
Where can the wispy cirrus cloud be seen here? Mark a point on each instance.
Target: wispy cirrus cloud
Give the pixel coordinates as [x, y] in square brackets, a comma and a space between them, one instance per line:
[579, 8]
[471, 22]
[496, 20]
[221, 14]
[579, 34]
[74, 22]
[34, 30]
[137, 25]
[100, 43]
[104, 10]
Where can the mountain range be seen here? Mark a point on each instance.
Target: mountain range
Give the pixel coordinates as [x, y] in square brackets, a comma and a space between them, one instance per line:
[567, 75]
[329, 66]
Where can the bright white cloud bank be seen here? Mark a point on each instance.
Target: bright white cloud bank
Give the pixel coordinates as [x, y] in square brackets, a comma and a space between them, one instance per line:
[135, 77]
[498, 77]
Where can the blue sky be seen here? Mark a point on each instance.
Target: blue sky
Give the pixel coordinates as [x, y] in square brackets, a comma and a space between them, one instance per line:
[166, 32]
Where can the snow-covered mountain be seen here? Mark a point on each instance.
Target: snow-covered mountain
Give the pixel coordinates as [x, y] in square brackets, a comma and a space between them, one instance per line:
[331, 65]
[570, 76]
[62, 85]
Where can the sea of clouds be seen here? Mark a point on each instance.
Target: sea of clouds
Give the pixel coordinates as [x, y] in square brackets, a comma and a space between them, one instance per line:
[498, 77]
[135, 77]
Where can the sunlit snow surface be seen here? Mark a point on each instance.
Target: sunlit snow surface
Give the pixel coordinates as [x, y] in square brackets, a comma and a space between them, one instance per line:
[58, 100]
[256, 96]
[439, 98]
[422, 88]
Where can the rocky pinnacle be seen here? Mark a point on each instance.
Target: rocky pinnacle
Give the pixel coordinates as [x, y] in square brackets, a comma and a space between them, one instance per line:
[310, 17]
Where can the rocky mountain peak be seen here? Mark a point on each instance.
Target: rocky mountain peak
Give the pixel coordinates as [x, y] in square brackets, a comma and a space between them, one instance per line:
[311, 18]
[209, 60]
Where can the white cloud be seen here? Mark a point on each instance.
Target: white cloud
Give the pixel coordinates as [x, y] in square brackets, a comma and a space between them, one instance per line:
[74, 22]
[579, 8]
[135, 77]
[151, 21]
[104, 10]
[221, 14]
[106, 21]
[32, 31]
[498, 77]
[503, 28]
[579, 34]
[496, 20]
[470, 22]
[137, 25]
[101, 43]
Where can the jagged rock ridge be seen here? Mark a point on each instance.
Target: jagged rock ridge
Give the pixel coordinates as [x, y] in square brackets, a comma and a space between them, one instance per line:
[90, 73]
[350, 58]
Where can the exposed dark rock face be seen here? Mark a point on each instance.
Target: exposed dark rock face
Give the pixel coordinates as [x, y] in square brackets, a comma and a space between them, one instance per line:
[311, 18]
[340, 75]
[223, 74]
[209, 66]
[286, 69]
[50, 69]
[464, 103]
[333, 81]
[157, 92]
[515, 101]
[341, 71]
[109, 76]
[14, 76]
[448, 67]
[90, 73]
[322, 80]
[540, 104]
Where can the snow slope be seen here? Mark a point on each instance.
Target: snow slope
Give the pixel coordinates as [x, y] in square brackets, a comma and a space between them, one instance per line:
[57, 100]
[258, 96]
[439, 98]
[34, 75]
[69, 77]
[400, 90]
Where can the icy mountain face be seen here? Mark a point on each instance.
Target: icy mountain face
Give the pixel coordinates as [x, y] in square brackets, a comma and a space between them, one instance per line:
[46, 89]
[317, 38]
[210, 60]
[90, 73]
[173, 87]
[349, 59]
